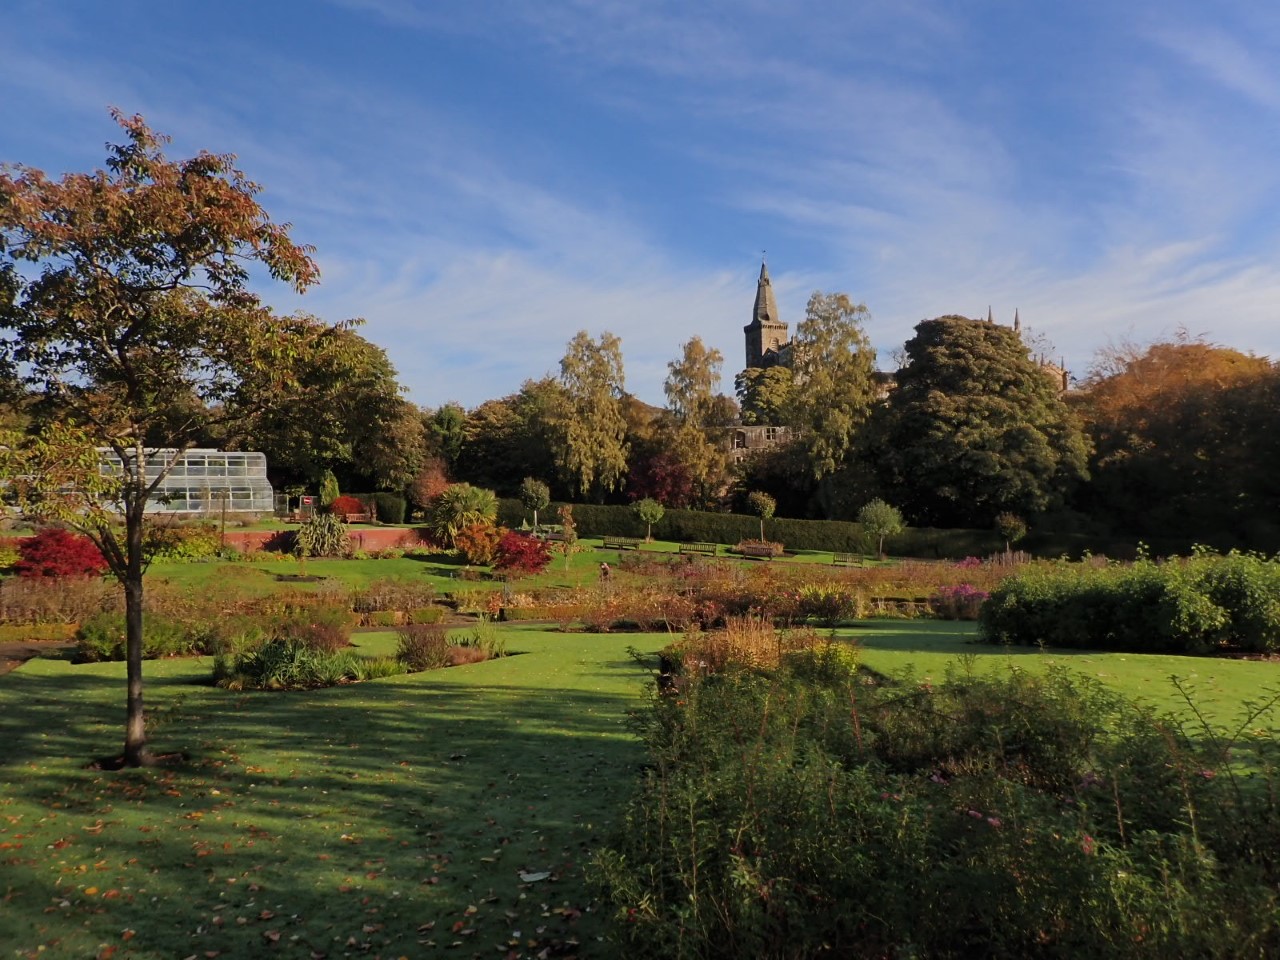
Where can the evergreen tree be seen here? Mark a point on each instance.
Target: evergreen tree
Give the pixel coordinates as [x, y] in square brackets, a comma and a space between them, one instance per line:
[976, 428]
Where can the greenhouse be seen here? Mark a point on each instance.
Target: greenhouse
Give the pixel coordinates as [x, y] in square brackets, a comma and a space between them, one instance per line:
[204, 481]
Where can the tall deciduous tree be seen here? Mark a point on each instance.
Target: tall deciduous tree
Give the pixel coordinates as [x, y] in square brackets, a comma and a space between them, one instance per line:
[834, 367]
[349, 416]
[508, 439]
[692, 429]
[589, 427]
[133, 321]
[976, 427]
[764, 394]
[1185, 440]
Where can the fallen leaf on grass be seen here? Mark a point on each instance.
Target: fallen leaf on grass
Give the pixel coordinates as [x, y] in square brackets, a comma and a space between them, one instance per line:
[535, 876]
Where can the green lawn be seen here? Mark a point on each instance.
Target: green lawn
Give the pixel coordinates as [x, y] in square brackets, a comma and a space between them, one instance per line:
[1219, 686]
[389, 818]
[394, 814]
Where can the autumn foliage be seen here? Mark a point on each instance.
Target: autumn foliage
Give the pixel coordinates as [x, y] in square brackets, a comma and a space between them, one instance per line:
[520, 553]
[346, 505]
[57, 553]
[478, 542]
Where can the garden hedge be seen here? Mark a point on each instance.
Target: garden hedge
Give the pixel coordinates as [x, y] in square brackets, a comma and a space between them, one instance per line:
[1184, 605]
[838, 536]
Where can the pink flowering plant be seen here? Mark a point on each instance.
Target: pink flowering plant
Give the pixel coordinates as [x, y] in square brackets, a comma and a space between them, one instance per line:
[962, 601]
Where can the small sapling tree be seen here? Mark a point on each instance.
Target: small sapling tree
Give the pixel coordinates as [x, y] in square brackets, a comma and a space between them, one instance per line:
[535, 495]
[1011, 529]
[763, 506]
[880, 520]
[649, 511]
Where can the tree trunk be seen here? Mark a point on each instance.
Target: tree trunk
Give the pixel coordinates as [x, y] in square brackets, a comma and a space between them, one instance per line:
[762, 529]
[135, 731]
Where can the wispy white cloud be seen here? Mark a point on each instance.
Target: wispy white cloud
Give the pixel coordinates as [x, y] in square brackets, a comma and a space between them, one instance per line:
[874, 148]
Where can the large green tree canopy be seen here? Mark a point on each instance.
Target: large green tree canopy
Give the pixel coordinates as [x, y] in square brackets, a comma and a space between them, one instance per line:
[975, 427]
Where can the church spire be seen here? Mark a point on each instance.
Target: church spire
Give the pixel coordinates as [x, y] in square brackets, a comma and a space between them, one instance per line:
[990, 317]
[1017, 321]
[766, 334]
[766, 310]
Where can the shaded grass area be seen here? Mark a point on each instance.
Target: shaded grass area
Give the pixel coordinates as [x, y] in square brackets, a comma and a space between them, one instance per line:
[384, 818]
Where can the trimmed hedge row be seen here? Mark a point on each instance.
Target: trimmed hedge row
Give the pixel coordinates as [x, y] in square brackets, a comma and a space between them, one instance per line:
[838, 536]
[1194, 605]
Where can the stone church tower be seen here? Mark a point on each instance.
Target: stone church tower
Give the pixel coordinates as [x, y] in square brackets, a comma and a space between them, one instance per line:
[766, 334]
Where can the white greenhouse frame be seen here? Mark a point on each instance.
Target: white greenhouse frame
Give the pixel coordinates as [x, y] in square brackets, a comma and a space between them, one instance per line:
[203, 481]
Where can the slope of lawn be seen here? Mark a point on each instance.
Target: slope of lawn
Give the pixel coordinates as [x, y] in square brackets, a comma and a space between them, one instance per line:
[382, 818]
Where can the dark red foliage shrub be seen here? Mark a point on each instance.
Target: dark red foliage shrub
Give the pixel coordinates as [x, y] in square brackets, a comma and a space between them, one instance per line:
[661, 477]
[518, 553]
[57, 553]
[347, 504]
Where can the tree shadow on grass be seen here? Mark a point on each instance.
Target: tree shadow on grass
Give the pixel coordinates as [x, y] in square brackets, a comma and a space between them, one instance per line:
[382, 812]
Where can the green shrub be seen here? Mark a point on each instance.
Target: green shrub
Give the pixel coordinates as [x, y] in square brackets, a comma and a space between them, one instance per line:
[285, 665]
[182, 541]
[102, 637]
[426, 615]
[389, 508]
[1194, 605]
[322, 535]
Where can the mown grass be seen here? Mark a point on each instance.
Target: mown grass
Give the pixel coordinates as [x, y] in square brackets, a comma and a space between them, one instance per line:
[389, 818]
[1218, 687]
[383, 817]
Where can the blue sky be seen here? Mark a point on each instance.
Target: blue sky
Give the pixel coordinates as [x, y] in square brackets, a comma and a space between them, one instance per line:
[482, 180]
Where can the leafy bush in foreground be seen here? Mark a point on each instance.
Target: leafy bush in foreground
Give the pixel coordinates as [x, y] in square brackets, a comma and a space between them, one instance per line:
[819, 810]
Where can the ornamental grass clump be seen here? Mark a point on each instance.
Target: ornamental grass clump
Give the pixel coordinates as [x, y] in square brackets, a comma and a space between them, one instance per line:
[281, 664]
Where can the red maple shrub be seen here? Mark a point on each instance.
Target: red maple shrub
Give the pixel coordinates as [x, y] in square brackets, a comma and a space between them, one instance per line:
[519, 553]
[346, 504]
[58, 553]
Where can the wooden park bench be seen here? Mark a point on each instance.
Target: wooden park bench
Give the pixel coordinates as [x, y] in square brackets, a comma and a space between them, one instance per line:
[552, 536]
[357, 518]
[698, 547]
[758, 551]
[846, 560]
[620, 543]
